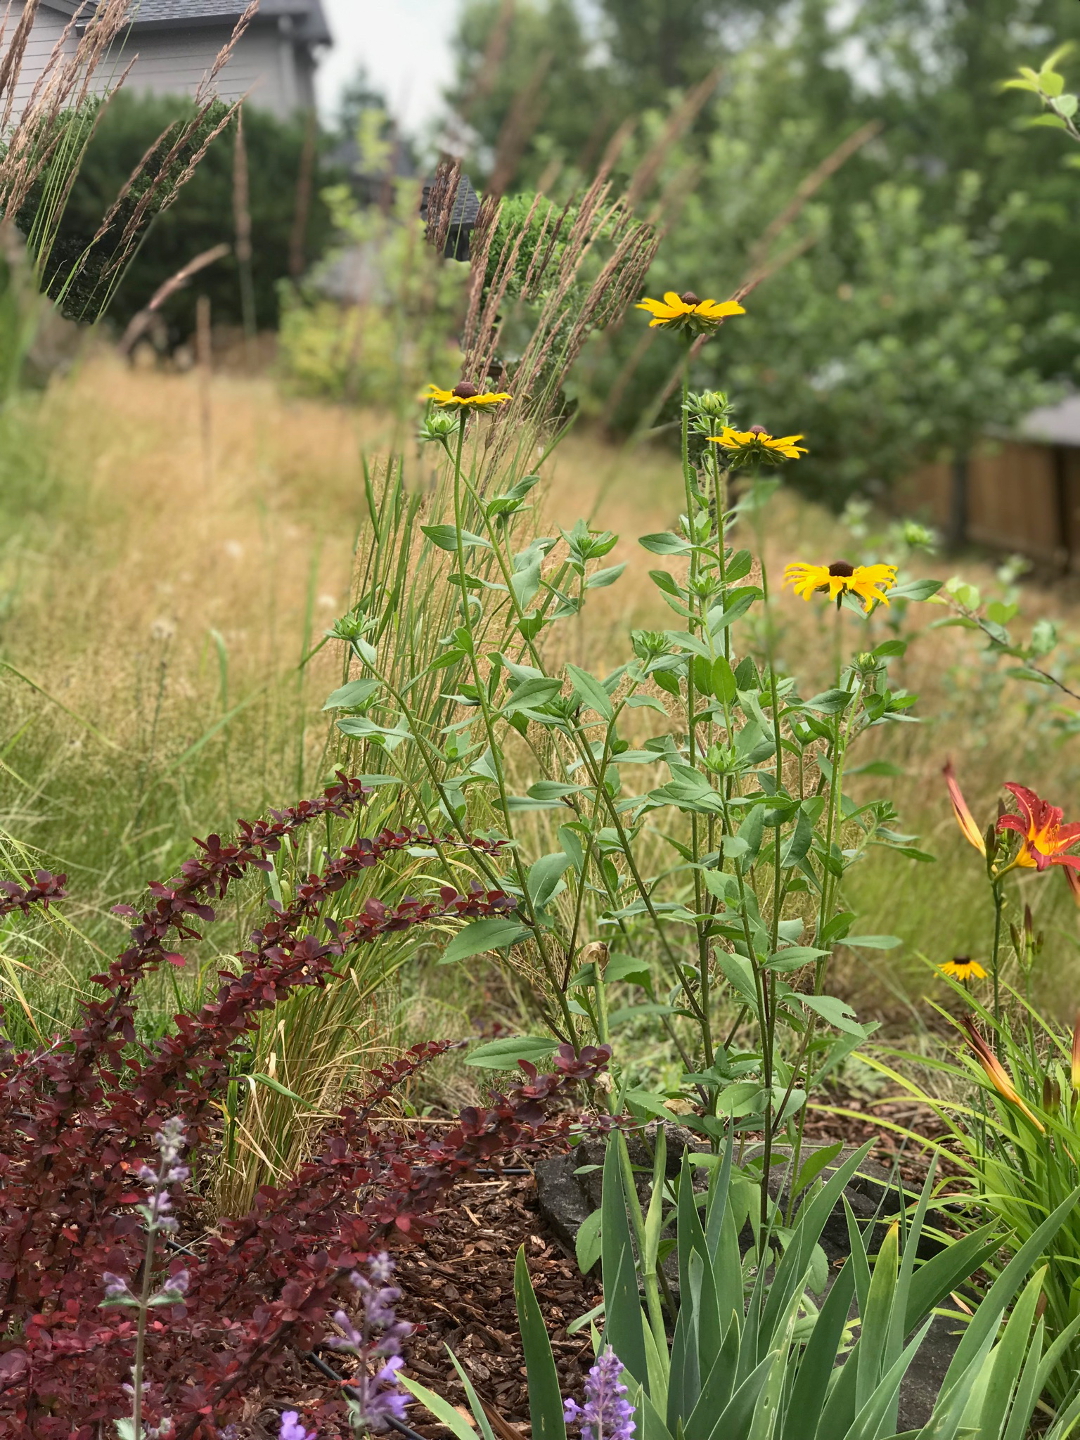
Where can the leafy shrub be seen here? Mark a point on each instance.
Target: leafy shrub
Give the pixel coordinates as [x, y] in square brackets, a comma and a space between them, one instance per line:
[380, 347]
[78, 1121]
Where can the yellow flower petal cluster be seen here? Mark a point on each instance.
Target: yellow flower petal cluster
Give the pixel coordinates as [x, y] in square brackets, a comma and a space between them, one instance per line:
[962, 967]
[687, 312]
[757, 444]
[840, 578]
[466, 394]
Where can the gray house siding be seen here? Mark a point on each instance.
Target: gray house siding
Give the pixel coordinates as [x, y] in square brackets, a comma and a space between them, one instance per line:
[267, 66]
[263, 66]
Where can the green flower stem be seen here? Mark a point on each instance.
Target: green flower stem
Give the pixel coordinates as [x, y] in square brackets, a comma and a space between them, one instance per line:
[833, 822]
[998, 891]
[828, 886]
[649, 1282]
[496, 755]
[770, 656]
[596, 774]
[695, 621]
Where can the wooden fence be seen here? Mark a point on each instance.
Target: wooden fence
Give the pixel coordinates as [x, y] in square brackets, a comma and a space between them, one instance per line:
[1014, 496]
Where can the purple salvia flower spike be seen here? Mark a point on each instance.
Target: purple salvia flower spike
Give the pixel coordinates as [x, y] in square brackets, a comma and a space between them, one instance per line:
[606, 1414]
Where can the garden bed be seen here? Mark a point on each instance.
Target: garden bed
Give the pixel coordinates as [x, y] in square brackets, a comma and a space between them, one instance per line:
[458, 1290]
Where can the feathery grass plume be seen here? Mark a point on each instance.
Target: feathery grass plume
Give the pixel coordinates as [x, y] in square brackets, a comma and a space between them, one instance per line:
[45, 146]
[304, 188]
[50, 134]
[522, 118]
[242, 221]
[164, 169]
[560, 272]
[440, 203]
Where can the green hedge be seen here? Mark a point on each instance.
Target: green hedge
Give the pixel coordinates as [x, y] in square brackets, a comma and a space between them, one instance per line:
[200, 218]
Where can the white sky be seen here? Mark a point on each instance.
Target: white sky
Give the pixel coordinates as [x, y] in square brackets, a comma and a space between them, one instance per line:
[405, 46]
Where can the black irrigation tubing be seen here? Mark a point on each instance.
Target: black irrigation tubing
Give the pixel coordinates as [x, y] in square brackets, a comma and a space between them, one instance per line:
[354, 1394]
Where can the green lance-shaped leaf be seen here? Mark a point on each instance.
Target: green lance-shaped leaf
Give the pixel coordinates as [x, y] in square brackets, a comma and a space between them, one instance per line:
[590, 691]
[545, 1398]
[496, 933]
[446, 537]
[624, 1327]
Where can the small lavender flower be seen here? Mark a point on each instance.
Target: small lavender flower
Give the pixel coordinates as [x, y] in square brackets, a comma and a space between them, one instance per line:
[381, 1268]
[606, 1414]
[384, 1399]
[175, 1287]
[117, 1290]
[375, 1341]
[292, 1428]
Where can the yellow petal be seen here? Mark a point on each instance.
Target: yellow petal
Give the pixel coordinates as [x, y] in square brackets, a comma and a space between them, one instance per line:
[718, 309]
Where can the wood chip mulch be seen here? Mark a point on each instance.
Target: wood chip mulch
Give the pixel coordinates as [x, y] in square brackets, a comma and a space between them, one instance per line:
[891, 1149]
[458, 1290]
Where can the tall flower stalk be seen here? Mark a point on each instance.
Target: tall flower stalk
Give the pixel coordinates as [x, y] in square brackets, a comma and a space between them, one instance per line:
[377, 1396]
[159, 1221]
[606, 1414]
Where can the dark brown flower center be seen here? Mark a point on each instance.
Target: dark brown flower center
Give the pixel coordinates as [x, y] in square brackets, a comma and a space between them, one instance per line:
[962, 960]
[841, 567]
[689, 298]
[465, 391]
[758, 430]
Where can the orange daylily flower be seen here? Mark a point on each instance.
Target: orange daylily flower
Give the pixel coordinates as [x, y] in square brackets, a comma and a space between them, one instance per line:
[1044, 838]
[998, 1076]
[964, 818]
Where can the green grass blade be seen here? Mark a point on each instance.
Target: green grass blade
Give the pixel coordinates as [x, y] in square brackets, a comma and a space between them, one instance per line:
[911, 1236]
[791, 1270]
[944, 1271]
[624, 1323]
[1027, 1389]
[443, 1411]
[736, 1420]
[999, 1377]
[884, 1399]
[876, 1316]
[816, 1366]
[545, 1397]
[718, 1387]
[985, 1320]
[475, 1405]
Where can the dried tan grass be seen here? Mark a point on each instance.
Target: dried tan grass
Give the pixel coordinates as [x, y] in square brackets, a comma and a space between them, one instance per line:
[145, 550]
[152, 551]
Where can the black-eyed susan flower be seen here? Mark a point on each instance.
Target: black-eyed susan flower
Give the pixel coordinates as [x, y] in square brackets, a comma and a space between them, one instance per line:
[963, 967]
[1044, 839]
[840, 578]
[746, 447]
[466, 395]
[687, 312]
